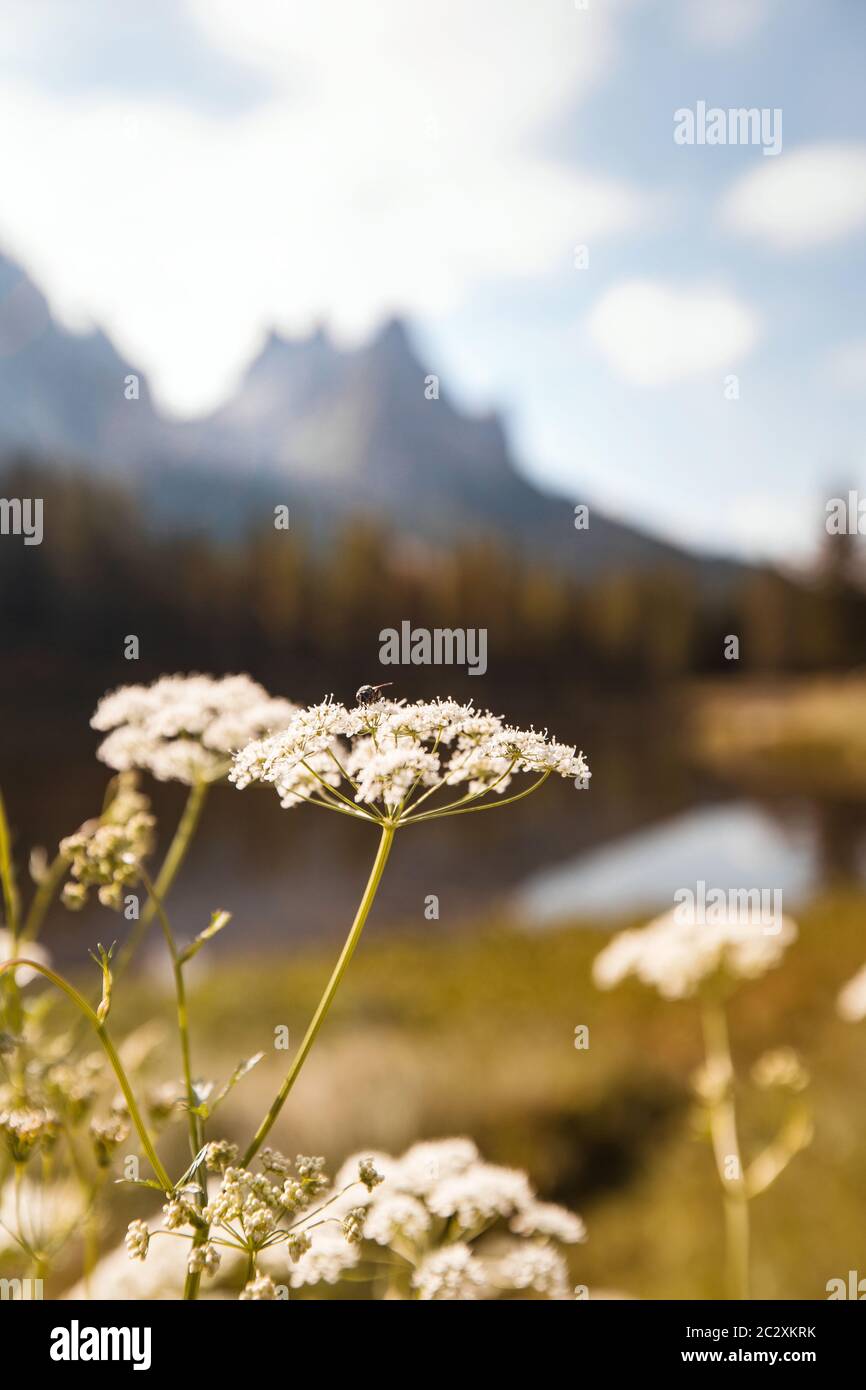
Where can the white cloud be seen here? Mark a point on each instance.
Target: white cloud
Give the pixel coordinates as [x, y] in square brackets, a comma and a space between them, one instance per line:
[393, 166]
[654, 334]
[722, 25]
[809, 197]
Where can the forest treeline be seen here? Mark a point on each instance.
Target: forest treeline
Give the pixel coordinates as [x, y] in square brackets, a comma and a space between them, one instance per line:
[101, 575]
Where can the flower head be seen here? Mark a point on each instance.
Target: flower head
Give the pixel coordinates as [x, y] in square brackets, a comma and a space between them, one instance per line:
[33, 951]
[106, 853]
[259, 1289]
[453, 1272]
[185, 728]
[460, 1226]
[851, 1003]
[137, 1240]
[675, 953]
[107, 1136]
[532, 1266]
[381, 760]
[25, 1129]
[203, 1259]
[220, 1154]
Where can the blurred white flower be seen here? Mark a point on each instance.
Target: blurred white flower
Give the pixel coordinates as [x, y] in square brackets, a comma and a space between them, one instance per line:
[851, 1003]
[438, 1198]
[453, 1272]
[185, 728]
[531, 1265]
[780, 1068]
[395, 1217]
[547, 1219]
[30, 949]
[45, 1214]
[327, 1260]
[480, 1195]
[674, 953]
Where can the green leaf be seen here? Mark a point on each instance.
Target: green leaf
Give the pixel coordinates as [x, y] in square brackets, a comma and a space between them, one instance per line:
[219, 919]
[192, 1169]
[240, 1071]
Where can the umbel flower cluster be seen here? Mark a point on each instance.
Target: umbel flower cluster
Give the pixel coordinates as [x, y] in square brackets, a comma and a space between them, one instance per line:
[676, 953]
[282, 1204]
[381, 761]
[107, 853]
[458, 1228]
[444, 1224]
[185, 728]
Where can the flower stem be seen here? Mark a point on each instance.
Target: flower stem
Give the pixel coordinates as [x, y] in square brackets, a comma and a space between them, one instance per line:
[457, 808]
[174, 858]
[196, 1137]
[44, 896]
[110, 1052]
[331, 988]
[726, 1147]
[12, 912]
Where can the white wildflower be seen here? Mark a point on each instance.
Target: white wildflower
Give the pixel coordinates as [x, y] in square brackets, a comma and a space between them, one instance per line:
[388, 754]
[480, 1195]
[259, 1289]
[453, 1272]
[781, 1068]
[45, 1212]
[220, 1154]
[676, 952]
[203, 1259]
[547, 1219]
[137, 1240]
[176, 1214]
[352, 1225]
[529, 1265]
[326, 1261]
[23, 973]
[349, 1171]
[274, 1162]
[27, 1128]
[396, 1217]
[297, 1244]
[851, 1003]
[185, 728]
[427, 1163]
[368, 1174]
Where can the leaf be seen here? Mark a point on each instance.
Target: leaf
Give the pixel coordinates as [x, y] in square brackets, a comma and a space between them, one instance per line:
[794, 1136]
[219, 919]
[103, 960]
[192, 1169]
[240, 1071]
[141, 1182]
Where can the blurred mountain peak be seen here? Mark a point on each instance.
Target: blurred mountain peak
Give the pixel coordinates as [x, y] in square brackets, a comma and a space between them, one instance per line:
[336, 432]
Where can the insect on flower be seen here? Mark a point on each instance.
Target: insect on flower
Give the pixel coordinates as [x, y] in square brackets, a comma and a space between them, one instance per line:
[365, 693]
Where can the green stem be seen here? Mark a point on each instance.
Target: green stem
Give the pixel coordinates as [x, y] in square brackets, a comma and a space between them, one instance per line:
[12, 909]
[44, 896]
[330, 990]
[110, 1052]
[193, 1277]
[457, 809]
[726, 1147]
[11, 899]
[174, 858]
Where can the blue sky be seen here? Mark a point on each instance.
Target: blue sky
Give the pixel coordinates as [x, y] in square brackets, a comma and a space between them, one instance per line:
[188, 173]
